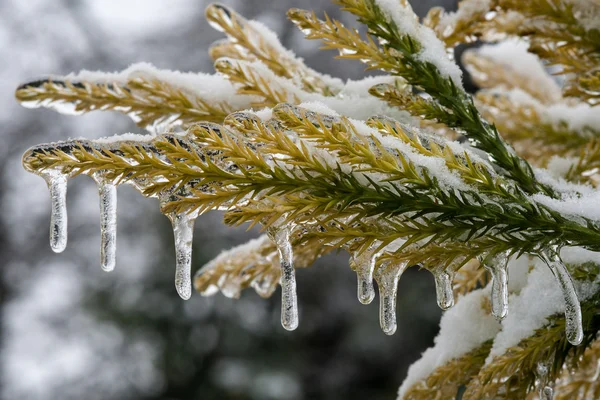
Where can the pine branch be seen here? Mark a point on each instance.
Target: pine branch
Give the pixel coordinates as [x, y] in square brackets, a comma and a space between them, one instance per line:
[427, 77]
[513, 374]
[218, 167]
[148, 101]
[446, 380]
[581, 381]
[249, 43]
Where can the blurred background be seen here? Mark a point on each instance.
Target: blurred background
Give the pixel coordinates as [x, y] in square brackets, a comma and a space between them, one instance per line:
[71, 331]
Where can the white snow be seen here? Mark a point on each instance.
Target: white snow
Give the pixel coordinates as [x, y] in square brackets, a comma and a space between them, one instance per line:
[213, 87]
[361, 87]
[433, 50]
[558, 166]
[124, 137]
[577, 117]
[462, 328]
[585, 206]
[356, 102]
[513, 54]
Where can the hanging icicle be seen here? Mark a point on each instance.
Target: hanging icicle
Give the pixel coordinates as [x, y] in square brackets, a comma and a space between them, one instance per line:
[108, 223]
[363, 264]
[57, 183]
[183, 231]
[289, 301]
[387, 276]
[497, 266]
[574, 324]
[443, 288]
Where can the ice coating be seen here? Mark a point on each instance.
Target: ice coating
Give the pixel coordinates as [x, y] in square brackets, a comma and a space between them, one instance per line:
[573, 318]
[545, 392]
[57, 183]
[363, 264]
[289, 300]
[108, 225]
[497, 266]
[183, 231]
[443, 288]
[387, 277]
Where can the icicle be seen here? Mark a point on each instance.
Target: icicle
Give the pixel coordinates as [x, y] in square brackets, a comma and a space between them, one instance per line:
[497, 266]
[574, 324]
[108, 224]
[443, 288]
[545, 392]
[387, 277]
[183, 230]
[289, 300]
[57, 183]
[364, 265]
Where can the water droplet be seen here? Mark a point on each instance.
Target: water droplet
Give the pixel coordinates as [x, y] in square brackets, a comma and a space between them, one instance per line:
[183, 230]
[57, 183]
[443, 288]
[497, 266]
[289, 300]
[108, 224]
[387, 277]
[574, 327]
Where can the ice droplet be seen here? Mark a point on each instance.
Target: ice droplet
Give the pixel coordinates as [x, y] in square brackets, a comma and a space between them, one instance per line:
[289, 299]
[497, 266]
[57, 183]
[364, 265]
[183, 231]
[574, 324]
[108, 225]
[387, 278]
[443, 288]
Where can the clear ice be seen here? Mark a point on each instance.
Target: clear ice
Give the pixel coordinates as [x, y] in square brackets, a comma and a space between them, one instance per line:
[545, 392]
[387, 278]
[443, 289]
[183, 231]
[289, 299]
[497, 266]
[57, 183]
[364, 265]
[574, 324]
[108, 224]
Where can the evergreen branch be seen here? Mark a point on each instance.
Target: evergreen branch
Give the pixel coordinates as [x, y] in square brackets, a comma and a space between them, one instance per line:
[465, 25]
[588, 164]
[581, 382]
[470, 277]
[253, 80]
[487, 73]
[254, 264]
[523, 125]
[346, 41]
[445, 381]
[426, 76]
[148, 101]
[585, 86]
[428, 111]
[512, 375]
[244, 35]
[220, 169]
